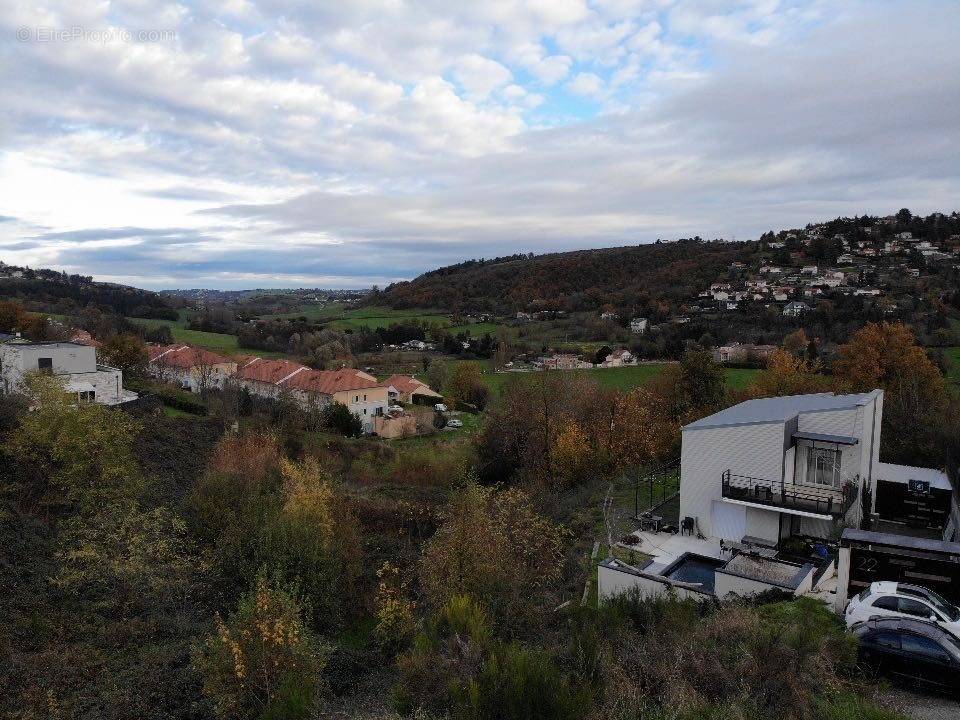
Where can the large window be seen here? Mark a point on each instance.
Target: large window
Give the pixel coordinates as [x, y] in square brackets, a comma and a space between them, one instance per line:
[823, 467]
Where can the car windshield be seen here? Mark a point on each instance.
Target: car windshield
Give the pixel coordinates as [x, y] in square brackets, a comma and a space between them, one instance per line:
[941, 604]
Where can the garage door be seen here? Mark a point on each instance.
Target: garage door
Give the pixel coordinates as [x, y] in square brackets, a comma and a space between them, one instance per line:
[729, 521]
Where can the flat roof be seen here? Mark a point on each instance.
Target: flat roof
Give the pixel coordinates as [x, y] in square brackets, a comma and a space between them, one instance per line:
[19, 342]
[904, 473]
[780, 409]
[904, 541]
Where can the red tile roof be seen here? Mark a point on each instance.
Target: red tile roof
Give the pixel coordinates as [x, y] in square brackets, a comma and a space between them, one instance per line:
[328, 382]
[188, 357]
[407, 384]
[82, 337]
[155, 351]
[269, 371]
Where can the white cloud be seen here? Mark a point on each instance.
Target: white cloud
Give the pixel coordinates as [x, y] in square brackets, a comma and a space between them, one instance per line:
[480, 75]
[586, 84]
[287, 141]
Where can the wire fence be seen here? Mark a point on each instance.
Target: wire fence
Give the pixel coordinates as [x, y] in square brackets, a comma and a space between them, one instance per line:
[638, 491]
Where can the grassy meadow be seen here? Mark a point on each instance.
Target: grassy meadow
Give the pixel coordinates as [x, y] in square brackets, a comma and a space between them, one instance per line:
[625, 378]
[345, 317]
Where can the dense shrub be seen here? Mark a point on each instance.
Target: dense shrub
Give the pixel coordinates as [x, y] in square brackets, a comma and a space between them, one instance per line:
[516, 683]
[263, 661]
[494, 546]
[337, 417]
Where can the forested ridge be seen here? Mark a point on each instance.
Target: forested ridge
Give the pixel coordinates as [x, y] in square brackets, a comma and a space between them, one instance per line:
[571, 281]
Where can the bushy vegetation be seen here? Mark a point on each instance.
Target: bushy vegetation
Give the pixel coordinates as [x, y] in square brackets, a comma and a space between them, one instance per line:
[189, 569]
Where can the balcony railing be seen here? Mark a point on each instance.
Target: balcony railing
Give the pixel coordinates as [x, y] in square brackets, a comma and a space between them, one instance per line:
[781, 494]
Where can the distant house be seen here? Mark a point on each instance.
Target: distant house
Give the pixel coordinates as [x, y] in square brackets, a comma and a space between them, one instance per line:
[809, 270]
[194, 369]
[619, 358]
[262, 377]
[407, 389]
[609, 316]
[741, 353]
[563, 362]
[524, 317]
[795, 309]
[73, 364]
[361, 393]
[868, 292]
[82, 337]
[770, 270]
[418, 345]
[638, 325]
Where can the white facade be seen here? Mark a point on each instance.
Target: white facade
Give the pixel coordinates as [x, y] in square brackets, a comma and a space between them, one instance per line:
[638, 325]
[777, 467]
[75, 364]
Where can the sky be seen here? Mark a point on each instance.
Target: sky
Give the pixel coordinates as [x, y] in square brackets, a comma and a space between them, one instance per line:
[275, 143]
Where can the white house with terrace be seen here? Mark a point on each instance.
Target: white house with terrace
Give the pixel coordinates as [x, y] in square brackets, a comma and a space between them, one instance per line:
[774, 468]
[760, 477]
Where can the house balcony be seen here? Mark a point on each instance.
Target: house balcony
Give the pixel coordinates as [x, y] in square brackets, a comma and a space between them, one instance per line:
[790, 497]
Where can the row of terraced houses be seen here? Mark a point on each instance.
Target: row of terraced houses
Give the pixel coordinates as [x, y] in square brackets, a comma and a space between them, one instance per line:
[197, 370]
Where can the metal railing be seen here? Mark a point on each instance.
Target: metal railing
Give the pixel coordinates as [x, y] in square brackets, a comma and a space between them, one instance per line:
[789, 495]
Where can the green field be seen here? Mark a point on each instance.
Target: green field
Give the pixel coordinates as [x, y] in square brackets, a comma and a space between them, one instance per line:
[342, 317]
[953, 372]
[218, 342]
[625, 378]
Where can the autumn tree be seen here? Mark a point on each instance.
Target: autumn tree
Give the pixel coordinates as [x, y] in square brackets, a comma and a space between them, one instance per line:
[692, 388]
[788, 374]
[642, 430]
[437, 375]
[125, 352]
[11, 316]
[466, 385]
[919, 412]
[495, 547]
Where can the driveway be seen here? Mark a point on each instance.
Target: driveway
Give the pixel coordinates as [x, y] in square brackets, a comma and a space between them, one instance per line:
[919, 706]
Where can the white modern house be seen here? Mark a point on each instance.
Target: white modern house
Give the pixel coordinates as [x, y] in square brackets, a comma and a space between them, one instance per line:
[638, 325]
[799, 468]
[74, 364]
[773, 468]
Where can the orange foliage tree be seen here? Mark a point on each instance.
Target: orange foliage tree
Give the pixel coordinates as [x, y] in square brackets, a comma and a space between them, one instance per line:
[919, 413]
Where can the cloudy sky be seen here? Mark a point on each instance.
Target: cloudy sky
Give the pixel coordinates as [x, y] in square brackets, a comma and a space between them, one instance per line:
[269, 143]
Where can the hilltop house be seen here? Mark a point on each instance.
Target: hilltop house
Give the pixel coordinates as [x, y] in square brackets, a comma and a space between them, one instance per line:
[194, 369]
[638, 325]
[407, 389]
[795, 308]
[74, 364]
[774, 468]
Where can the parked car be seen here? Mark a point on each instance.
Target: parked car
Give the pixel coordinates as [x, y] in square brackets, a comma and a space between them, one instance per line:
[892, 599]
[454, 423]
[917, 651]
